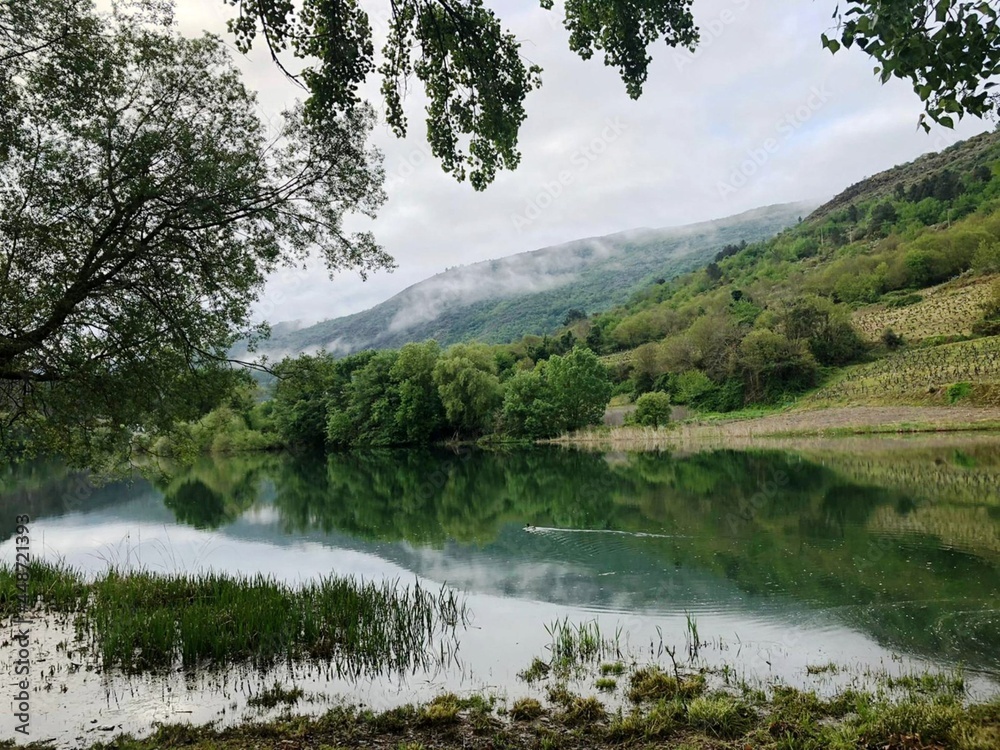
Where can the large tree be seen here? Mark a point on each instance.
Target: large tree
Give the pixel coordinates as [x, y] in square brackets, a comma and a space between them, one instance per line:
[476, 78]
[142, 203]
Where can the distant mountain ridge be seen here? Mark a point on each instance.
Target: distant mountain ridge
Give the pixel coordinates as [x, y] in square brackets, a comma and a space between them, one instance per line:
[501, 300]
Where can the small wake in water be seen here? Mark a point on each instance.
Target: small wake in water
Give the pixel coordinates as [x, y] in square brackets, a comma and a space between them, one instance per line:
[636, 534]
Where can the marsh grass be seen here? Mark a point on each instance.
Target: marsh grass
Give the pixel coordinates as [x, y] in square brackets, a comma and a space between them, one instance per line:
[537, 671]
[616, 669]
[577, 645]
[526, 709]
[788, 720]
[275, 696]
[142, 622]
[649, 684]
[606, 684]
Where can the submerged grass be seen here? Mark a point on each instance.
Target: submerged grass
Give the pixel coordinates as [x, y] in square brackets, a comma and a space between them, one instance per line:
[141, 622]
[577, 645]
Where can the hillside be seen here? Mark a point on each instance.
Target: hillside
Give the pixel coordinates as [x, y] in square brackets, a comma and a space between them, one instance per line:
[888, 294]
[530, 293]
[962, 157]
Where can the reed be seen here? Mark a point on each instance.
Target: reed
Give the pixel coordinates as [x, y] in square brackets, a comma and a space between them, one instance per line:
[574, 645]
[141, 622]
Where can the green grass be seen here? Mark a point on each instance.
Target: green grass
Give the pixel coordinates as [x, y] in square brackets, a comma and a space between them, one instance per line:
[577, 645]
[141, 622]
[276, 695]
[718, 715]
[525, 709]
[828, 668]
[537, 671]
[650, 684]
[788, 720]
[616, 668]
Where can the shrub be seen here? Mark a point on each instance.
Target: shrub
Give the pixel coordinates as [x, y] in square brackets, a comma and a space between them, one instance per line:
[525, 709]
[904, 300]
[987, 257]
[690, 385]
[773, 365]
[652, 410]
[958, 391]
[892, 340]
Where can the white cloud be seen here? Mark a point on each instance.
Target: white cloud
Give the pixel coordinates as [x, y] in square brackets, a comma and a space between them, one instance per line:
[696, 121]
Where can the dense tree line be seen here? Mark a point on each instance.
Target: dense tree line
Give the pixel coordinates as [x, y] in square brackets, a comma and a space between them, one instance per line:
[421, 394]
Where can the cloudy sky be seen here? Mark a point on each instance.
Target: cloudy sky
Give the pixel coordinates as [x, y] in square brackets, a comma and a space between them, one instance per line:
[760, 114]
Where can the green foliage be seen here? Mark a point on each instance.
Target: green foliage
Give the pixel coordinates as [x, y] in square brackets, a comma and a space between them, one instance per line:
[560, 394]
[420, 415]
[958, 391]
[773, 365]
[473, 73]
[121, 317]
[987, 257]
[469, 388]
[989, 324]
[825, 328]
[892, 340]
[580, 386]
[475, 76]
[928, 46]
[528, 408]
[300, 396]
[372, 400]
[690, 386]
[902, 300]
[652, 410]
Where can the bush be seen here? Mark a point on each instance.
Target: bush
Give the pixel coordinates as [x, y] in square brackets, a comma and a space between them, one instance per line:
[774, 366]
[904, 300]
[892, 340]
[652, 410]
[728, 396]
[690, 385]
[958, 391]
[987, 257]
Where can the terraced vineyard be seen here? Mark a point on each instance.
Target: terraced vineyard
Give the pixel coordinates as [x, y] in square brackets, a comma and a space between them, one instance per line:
[947, 309]
[920, 376]
[973, 530]
[937, 476]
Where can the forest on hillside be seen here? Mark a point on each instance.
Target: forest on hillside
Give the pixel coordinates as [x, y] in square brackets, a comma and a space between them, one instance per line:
[760, 325]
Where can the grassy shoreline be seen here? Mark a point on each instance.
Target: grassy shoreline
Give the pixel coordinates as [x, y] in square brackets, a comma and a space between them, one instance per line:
[920, 712]
[636, 704]
[829, 422]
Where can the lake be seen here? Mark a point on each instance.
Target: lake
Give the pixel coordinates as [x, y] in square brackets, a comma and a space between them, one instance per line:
[879, 555]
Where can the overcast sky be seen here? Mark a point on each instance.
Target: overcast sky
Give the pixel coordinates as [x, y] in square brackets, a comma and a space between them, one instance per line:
[760, 114]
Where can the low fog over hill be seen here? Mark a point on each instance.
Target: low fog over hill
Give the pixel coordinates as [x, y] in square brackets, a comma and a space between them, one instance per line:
[502, 300]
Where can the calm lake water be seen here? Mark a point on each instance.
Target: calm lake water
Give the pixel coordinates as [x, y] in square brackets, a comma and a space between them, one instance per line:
[879, 555]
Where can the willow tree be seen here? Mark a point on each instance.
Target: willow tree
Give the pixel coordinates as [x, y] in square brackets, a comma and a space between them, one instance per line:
[142, 203]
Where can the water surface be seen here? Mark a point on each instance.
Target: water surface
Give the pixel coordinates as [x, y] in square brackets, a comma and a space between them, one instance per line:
[877, 555]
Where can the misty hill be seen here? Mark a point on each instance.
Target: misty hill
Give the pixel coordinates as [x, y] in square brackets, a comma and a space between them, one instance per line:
[501, 300]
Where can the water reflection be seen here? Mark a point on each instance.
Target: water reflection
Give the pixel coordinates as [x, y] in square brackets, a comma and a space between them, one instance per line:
[902, 544]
